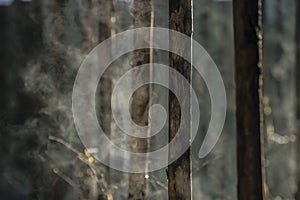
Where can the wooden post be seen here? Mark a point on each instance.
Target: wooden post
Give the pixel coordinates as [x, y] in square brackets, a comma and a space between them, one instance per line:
[179, 172]
[140, 99]
[249, 80]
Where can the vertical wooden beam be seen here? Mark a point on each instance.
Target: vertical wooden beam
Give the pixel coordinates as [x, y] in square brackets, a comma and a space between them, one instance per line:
[140, 99]
[249, 80]
[179, 172]
[297, 196]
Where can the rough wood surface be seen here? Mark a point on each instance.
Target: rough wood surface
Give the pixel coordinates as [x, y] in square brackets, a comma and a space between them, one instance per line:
[248, 69]
[140, 100]
[179, 172]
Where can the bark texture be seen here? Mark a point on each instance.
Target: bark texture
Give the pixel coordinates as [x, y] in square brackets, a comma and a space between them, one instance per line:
[140, 99]
[179, 172]
[249, 81]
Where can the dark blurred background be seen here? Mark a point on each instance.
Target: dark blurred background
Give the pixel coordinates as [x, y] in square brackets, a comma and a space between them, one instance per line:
[42, 44]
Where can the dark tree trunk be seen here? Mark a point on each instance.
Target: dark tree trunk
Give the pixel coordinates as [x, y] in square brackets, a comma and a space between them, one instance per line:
[140, 99]
[179, 172]
[249, 81]
[298, 94]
